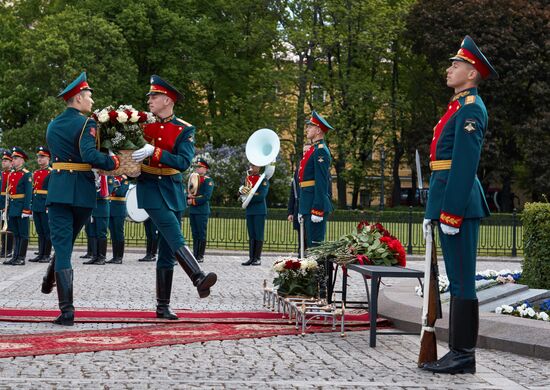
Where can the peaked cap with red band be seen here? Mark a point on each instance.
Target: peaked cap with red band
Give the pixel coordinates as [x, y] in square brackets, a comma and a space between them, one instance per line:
[470, 53]
[158, 85]
[16, 151]
[201, 162]
[6, 155]
[319, 121]
[43, 151]
[78, 85]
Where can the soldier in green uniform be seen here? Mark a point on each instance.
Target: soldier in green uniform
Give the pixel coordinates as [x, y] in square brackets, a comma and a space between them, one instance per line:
[72, 139]
[100, 221]
[40, 191]
[314, 179]
[256, 214]
[160, 191]
[7, 239]
[19, 209]
[152, 235]
[456, 200]
[117, 216]
[199, 208]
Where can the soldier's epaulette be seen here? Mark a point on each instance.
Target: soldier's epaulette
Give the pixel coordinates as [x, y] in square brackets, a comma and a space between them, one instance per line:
[320, 146]
[25, 170]
[184, 122]
[470, 99]
[50, 168]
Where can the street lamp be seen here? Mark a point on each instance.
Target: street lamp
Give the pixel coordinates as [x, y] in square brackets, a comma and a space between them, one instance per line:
[382, 161]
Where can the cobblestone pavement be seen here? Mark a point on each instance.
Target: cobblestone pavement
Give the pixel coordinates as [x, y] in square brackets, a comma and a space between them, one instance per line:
[315, 361]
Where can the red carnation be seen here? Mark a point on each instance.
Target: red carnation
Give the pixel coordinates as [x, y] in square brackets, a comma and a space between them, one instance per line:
[113, 115]
[142, 116]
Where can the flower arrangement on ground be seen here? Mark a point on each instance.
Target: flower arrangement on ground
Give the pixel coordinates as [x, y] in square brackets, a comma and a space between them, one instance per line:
[526, 310]
[120, 129]
[370, 244]
[296, 276]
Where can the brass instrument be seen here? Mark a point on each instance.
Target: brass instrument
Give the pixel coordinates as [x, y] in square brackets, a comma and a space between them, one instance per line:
[193, 184]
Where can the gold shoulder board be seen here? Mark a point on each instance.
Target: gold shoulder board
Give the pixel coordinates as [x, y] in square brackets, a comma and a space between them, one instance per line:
[470, 99]
[184, 122]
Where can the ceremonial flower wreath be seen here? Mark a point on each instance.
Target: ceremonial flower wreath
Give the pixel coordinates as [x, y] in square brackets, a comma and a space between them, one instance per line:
[120, 129]
[296, 277]
[371, 244]
[526, 310]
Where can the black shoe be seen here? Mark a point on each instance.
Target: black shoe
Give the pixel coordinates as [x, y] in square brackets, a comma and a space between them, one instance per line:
[65, 296]
[40, 252]
[47, 251]
[202, 249]
[251, 244]
[164, 290]
[202, 281]
[118, 252]
[89, 246]
[257, 252]
[48, 281]
[22, 252]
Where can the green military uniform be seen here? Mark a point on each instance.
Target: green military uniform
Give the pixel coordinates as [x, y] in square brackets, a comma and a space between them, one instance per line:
[314, 178]
[160, 192]
[100, 221]
[456, 200]
[256, 214]
[199, 211]
[72, 140]
[7, 239]
[117, 216]
[40, 191]
[19, 209]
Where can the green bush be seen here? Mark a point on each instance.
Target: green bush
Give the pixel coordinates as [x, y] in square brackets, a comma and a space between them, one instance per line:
[536, 238]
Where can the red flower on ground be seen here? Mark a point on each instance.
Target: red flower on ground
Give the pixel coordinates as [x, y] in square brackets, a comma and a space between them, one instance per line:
[292, 264]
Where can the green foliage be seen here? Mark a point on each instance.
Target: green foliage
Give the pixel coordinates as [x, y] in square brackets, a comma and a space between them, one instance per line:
[536, 264]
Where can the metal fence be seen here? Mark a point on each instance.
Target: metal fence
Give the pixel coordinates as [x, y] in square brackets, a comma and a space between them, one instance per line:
[500, 234]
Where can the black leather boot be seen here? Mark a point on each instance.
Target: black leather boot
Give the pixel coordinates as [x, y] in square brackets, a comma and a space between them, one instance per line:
[164, 289]
[118, 249]
[14, 252]
[22, 252]
[9, 241]
[101, 251]
[251, 246]
[154, 249]
[202, 281]
[258, 253]
[202, 249]
[95, 252]
[463, 330]
[147, 253]
[196, 249]
[40, 250]
[47, 251]
[65, 296]
[48, 281]
[88, 254]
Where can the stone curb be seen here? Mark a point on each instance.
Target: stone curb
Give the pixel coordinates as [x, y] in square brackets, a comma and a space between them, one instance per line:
[403, 307]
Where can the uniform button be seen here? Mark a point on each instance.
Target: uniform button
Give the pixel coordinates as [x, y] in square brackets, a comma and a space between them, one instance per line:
[162, 127]
[70, 160]
[433, 139]
[160, 177]
[160, 139]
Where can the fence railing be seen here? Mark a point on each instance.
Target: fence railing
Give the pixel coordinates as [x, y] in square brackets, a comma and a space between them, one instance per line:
[500, 234]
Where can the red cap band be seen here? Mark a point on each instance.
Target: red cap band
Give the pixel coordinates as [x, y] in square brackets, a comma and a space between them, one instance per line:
[467, 56]
[155, 88]
[319, 124]
[80, 87]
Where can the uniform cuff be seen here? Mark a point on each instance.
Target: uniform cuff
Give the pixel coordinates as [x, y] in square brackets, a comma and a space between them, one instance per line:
[116, 160]
[157, 154]
[27, 212]
[318, 213]
[450, 219]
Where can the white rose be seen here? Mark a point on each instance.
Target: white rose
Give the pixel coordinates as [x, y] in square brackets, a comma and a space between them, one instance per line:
[498, 310]
[523, 306]
[543, 316]
[530, 312]
[151, 117]
[122, 117]
[303, 265]
[134, 117]
[103, 116]
[508, 309]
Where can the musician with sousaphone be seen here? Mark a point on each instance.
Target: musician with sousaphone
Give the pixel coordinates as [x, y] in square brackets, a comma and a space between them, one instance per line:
[199, 192]
[262, 149]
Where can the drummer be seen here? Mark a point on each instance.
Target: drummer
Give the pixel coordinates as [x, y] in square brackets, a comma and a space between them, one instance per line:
[117, 216]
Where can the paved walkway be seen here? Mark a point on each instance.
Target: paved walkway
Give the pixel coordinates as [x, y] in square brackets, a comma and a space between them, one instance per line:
[321, 361]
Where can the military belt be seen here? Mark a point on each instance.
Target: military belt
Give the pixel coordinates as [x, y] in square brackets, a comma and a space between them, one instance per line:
[17, 196]
[42, 192]
[159, 171]
[118, 198]
[64, 166]
[3, 193]
[440, 165]
[307, 183]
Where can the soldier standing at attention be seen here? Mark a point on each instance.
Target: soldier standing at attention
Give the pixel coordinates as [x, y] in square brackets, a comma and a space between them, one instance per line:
[72, 140]
[117, 216]
[314, 179]
[170, 149]
[256, 214]
[7, 239]
[19, 210]
[456, 200]
[39, 215]
[200, 208]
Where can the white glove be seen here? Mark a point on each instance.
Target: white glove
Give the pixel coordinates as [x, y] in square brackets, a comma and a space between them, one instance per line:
[111, 153]
[425, 225]
[451, 231]
[300, 218]
[23, 215]
[141, 154]
[316, 219]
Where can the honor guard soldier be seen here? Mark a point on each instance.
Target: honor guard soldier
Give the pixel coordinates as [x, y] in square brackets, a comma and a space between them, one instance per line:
[160, 191]
[19, 192]
[199, 207]
[7, 238]
[40, 179]
[256, 214]
[456, 200]
[152, 236]
[294, 205]
[73, 142]
[100, 221]
[314, 178]
[117, 216]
